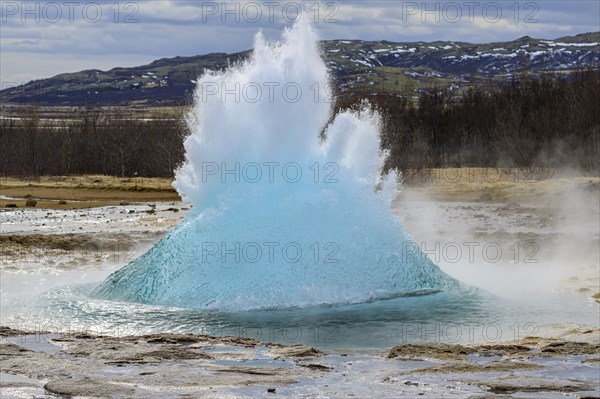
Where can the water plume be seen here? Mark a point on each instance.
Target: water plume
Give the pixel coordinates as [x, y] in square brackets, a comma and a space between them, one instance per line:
[289, 206]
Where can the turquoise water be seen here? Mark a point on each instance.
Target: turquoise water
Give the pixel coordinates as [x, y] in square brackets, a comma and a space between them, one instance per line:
[290, 208]
[462, 316]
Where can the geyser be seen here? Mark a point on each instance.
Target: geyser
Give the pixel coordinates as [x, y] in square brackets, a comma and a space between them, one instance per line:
[289, 207]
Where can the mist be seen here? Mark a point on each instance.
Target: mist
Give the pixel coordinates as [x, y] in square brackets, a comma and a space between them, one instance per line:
[514, 237]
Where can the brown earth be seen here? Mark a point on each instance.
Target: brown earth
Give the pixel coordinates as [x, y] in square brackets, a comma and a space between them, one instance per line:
[85, 191]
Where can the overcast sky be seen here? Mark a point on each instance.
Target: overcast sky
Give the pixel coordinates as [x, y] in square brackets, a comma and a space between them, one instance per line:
[39, 39]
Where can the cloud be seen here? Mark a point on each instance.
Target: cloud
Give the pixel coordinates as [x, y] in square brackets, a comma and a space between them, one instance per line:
[59, 63]
[39, 42]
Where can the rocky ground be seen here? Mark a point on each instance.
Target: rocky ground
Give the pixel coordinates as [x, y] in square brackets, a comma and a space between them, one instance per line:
[196, 366]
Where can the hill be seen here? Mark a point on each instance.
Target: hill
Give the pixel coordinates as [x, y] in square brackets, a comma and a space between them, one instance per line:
[401, 67]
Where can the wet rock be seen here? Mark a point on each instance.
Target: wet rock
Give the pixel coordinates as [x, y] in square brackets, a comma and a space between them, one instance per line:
[572, 348]
[314, 366]
[486, 196]
[171, 338]
[502, 350]
[167, 338]
[96, 366]
[87, 387]
[536, 341]
[75, 336]
[514, 383]
[250, 370]
[175, 354]
[84, 335]
[66, 242]
[592, 360]
[271, 390]
[11, 206]
[10, 349]
[62, 202]
[436, 351]
[467, 367]
[296, 351]
[31, 203]
[394, 379]
[241, 341]
[7, 332]
[124, 203]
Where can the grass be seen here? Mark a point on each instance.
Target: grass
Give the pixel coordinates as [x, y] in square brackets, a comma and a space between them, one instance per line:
[451, 184]
[85, 191]
[491, 184]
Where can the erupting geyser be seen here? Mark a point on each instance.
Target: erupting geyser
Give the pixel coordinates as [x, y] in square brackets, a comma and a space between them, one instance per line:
[285, 207]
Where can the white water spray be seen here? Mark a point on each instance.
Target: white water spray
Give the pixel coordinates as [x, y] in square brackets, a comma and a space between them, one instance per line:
[286, 212]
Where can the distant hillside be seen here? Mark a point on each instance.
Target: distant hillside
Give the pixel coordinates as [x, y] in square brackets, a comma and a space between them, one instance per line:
[376, 65]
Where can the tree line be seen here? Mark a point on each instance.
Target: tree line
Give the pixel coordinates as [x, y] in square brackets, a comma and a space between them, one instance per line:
[89, 143]
[545, 121]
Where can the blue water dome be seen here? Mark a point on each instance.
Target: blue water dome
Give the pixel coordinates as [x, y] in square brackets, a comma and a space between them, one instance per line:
[290, 208]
